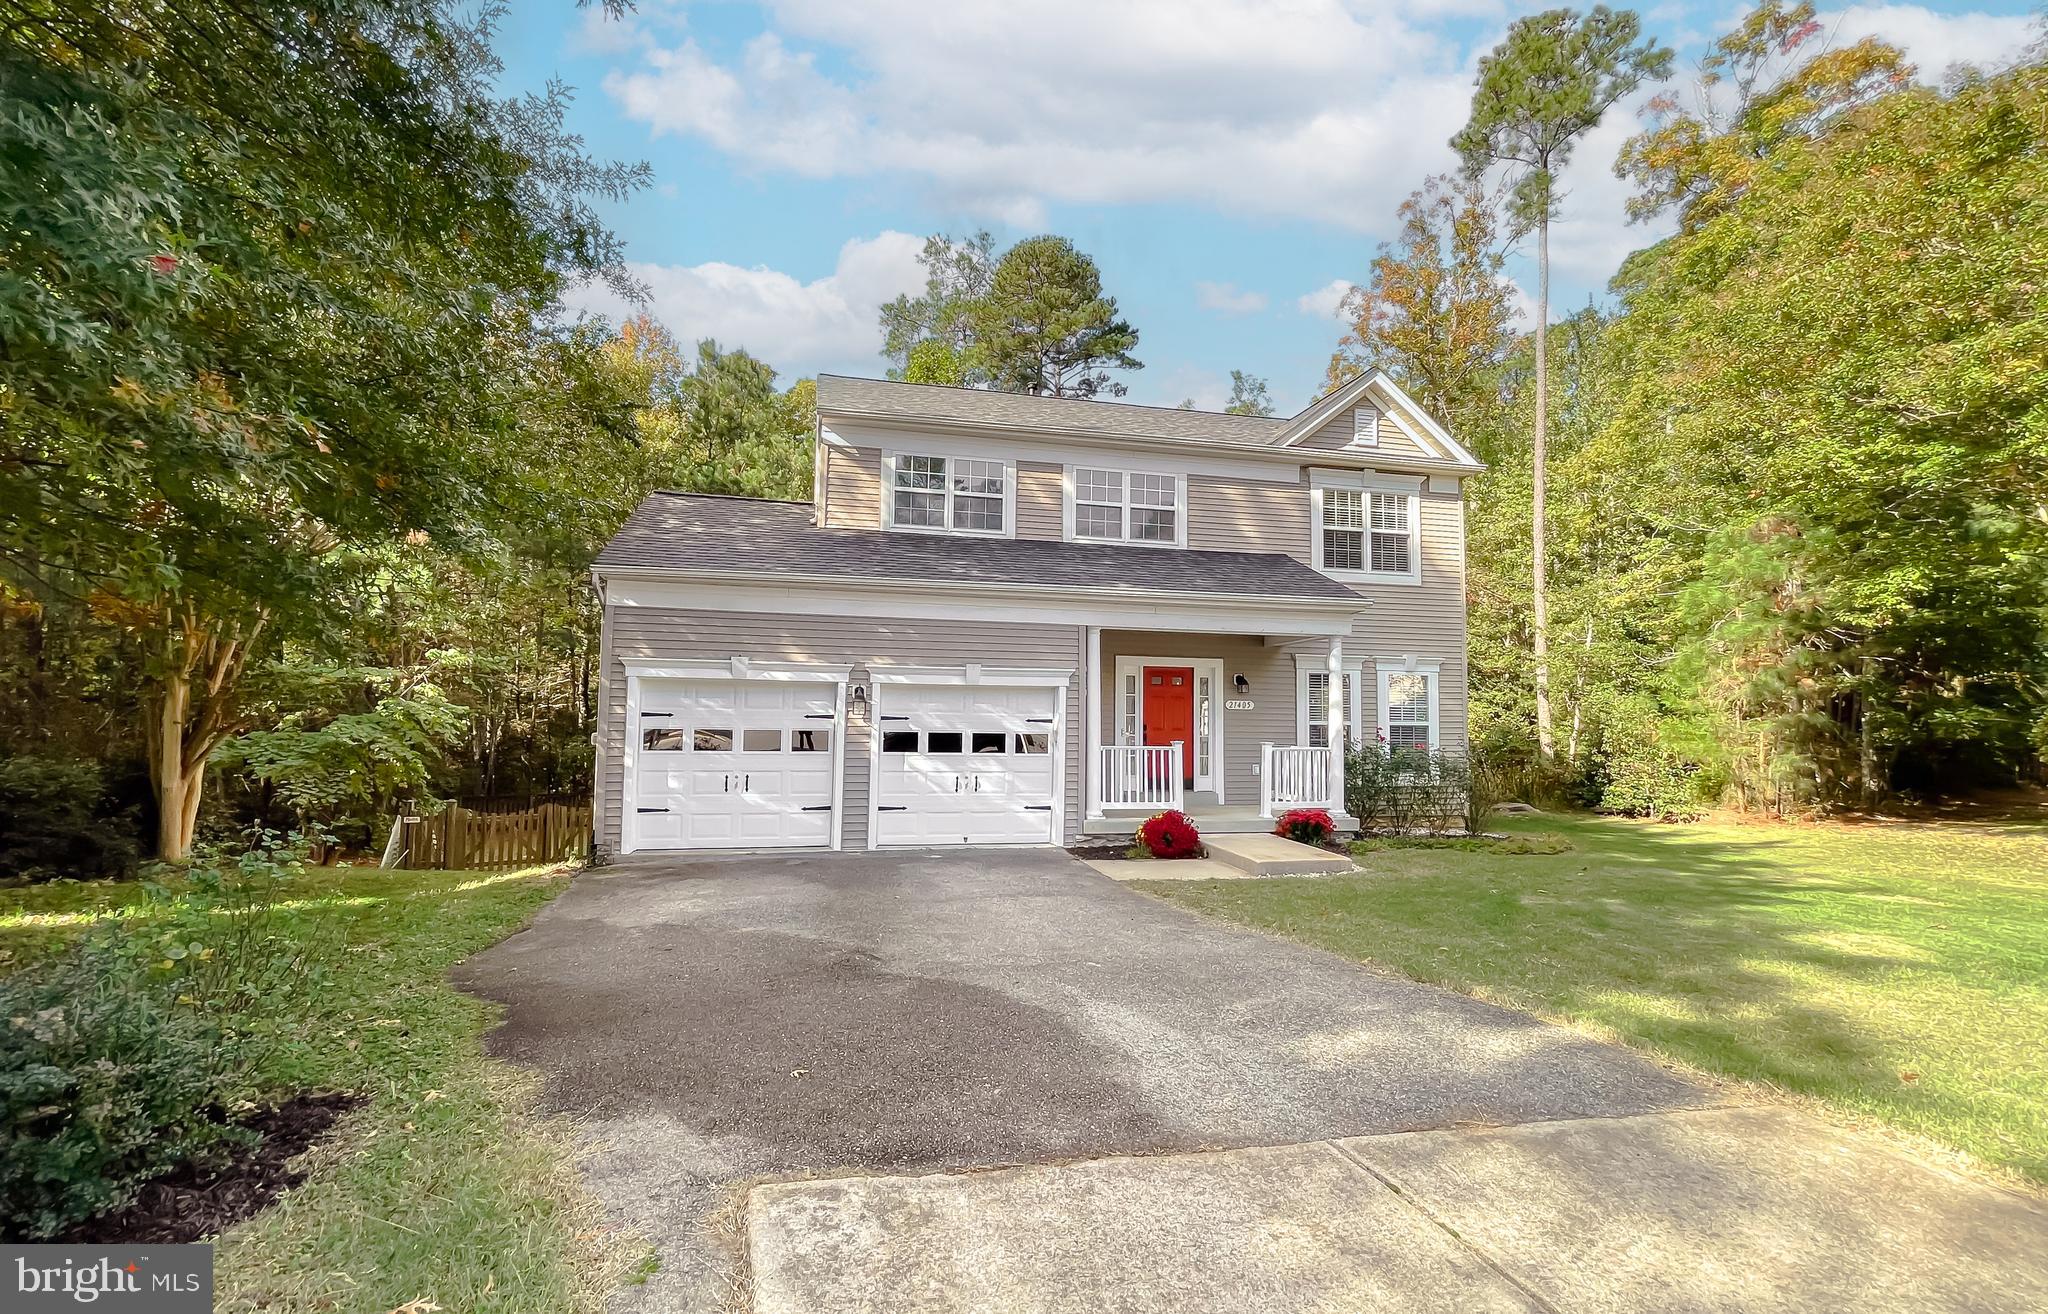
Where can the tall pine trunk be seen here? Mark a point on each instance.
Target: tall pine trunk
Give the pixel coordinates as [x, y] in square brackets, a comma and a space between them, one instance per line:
[1546, 740]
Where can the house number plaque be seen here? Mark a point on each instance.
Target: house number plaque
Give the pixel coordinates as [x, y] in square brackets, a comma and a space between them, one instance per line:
[1237, 704]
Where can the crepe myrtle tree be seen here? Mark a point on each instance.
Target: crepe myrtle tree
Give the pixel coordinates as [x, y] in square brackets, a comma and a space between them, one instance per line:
[282, 279]
[1551, 80]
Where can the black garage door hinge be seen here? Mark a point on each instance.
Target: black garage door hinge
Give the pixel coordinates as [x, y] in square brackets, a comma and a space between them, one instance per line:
[820, 716]
[884, 807]
[1039, 720]
[648, 714]
[651, 809]
[822, 807]
[895, 718]
[1038, 807]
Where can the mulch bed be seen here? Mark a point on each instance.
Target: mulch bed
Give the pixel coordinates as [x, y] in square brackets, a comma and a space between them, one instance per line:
[1100, 852]
[192, 1203]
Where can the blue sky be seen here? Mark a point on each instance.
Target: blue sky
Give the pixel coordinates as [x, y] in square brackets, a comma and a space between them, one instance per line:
[1229, 164]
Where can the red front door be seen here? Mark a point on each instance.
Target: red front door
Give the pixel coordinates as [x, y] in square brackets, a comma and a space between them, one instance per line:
[1170, 712]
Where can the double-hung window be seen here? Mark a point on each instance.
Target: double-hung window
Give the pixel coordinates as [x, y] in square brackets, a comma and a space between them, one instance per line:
[1126, 506]
[1408, 711]
[1367, 530]
[949, 493]
[1317, 684]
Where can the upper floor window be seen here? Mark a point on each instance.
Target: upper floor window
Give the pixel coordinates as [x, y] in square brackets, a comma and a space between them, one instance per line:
[1127, 506]
[949, 493]
[1367, 532]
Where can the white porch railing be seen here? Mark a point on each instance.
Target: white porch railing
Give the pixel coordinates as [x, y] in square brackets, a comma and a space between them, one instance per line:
[1139, 776]
[1298, 777]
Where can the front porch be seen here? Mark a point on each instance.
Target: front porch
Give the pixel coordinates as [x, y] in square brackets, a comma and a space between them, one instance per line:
[1232, 728]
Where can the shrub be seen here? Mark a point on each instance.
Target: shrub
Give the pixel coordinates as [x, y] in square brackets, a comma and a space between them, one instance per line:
[1170, 835]
[106, 1081]
[124, 1058]
[1306, 826]
[1407, 789]
[55, 820]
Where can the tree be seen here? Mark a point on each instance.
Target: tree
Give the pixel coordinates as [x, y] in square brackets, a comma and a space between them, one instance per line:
[1435, 314]
[1044, 325]
[1550, 80]
[1248, 395]
[930, 337]
[282, 289]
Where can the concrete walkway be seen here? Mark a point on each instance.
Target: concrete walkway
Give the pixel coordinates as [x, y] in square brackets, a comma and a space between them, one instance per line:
[1716, 1211]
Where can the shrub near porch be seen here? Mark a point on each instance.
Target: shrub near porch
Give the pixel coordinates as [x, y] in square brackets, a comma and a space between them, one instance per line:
[1896, 972]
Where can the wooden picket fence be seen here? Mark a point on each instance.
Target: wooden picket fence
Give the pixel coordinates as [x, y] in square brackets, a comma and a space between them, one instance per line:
[462, 839]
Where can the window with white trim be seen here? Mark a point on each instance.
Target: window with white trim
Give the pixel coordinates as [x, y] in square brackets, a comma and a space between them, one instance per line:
[949, 492]
[1409, 711]
[1367, 532]
[1126, 506]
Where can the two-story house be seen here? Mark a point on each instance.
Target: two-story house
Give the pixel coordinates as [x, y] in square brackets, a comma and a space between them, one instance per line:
[1007, 619]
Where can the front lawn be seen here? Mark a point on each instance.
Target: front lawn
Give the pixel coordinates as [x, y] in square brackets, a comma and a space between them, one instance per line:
[441, 1188]
[1895, 971]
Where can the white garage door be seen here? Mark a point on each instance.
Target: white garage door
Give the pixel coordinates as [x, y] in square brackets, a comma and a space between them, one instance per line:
[728, 764]
[964, 764]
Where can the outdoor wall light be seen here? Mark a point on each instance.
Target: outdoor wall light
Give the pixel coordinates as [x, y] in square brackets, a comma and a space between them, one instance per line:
[859, 695]
[1243, 685]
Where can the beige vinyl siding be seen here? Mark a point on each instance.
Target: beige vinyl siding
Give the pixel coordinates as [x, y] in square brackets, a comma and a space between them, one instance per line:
[1337, 433]
[865, 643]
[1269, 669]
[1426, 619]
[1041, 500]
[1243, 515]
[853, 488]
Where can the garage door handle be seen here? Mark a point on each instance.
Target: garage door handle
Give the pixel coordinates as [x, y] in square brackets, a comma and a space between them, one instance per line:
[746, 782]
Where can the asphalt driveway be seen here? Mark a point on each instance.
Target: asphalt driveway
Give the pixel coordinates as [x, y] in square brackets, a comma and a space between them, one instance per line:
[718, 1021]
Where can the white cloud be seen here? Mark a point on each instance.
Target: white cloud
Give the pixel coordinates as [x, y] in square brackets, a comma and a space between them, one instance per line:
[1327, 301]
[1209, 390]
[1312, 109]
[1935, 42]
[798, 327]
[1227, 298]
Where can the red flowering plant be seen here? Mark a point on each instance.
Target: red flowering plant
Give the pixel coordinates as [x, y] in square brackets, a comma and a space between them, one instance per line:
[1306, 826]
[1170, 835]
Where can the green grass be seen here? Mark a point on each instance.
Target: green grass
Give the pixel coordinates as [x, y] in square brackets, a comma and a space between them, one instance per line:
[443, 1187]
[1895, 972]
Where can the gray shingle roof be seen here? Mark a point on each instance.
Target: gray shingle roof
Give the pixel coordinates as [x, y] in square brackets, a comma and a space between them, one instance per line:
[841, 394]
[697, 532]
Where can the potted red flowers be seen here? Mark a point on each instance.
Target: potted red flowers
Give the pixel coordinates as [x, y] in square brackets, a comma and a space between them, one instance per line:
[1306, 826]
[1170, 835]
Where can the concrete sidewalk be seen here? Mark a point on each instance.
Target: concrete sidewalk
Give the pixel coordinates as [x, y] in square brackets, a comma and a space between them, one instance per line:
[1721, 1210]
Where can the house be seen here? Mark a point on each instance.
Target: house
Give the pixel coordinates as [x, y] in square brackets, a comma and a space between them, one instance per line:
[1011, 619]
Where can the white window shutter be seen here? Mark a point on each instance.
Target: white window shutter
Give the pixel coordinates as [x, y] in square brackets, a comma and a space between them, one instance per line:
[1365, 427]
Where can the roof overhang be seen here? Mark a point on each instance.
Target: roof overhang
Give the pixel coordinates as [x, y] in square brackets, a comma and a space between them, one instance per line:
[842, 595]
[1276, 453]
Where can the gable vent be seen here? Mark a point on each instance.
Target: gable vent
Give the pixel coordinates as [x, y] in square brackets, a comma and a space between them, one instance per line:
[1365, 427]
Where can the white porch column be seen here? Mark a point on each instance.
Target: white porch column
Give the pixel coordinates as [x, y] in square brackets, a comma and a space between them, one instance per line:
[1091, 753]
[1339, 708]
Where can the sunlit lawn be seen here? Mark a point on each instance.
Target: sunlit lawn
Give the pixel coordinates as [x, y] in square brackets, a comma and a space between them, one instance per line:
[1898, 971]
[441, 1188]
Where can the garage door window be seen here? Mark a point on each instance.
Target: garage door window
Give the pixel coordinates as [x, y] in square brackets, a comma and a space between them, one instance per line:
[989, 741]
[943, 741]
[1034, 743]
[661, 739]
[762, 741]
[810, 741]
[713, 741]
[899, 741]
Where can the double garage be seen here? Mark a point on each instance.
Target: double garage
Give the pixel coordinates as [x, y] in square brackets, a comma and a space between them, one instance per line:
[755, 757]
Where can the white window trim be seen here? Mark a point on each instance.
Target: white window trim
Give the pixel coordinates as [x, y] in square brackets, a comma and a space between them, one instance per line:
[1070, 499]
[1128, 665]
[1307, 664]
[1367, 481]
[1433, 670]
[889, 459]
[732, 668]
